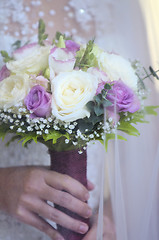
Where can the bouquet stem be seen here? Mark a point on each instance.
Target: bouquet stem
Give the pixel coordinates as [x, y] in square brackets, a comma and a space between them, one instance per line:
[75, 165]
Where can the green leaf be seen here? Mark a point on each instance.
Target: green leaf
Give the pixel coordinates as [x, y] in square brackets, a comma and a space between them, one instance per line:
[84, 124]
[154, 73]
[3, 131]
[86, 58]
[98, 109]
[98, 98]
[107, 86]
[12, 140]
[150, 110]
[95, 119]
[41, 33]
[111, 136]
[6, 57]
[90, 105]
[54, 136]
[28, 138]
[61, 42]
[17, 44]
[128, 128]
[106, 103]
[59, 34]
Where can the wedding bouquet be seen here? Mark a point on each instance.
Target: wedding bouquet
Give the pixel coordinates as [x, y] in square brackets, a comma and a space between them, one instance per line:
[66, 94]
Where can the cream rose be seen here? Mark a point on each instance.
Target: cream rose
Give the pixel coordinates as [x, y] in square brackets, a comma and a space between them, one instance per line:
[30, 59]
[116, 67]
[14, 89]
[70, 93]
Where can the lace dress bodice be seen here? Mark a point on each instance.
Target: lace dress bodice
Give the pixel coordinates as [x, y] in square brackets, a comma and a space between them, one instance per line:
[84, 19]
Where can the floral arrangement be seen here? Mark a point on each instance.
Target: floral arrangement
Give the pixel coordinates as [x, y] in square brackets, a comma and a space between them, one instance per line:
[66, 94]
[59, 90]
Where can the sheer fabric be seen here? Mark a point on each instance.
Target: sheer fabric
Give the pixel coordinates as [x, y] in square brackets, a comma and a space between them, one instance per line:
[118, 25]
[19, 20]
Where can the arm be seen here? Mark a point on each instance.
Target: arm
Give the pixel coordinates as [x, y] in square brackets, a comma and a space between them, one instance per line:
[24, 192]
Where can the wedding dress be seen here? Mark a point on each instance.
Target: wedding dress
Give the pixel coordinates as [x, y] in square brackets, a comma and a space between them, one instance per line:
[114, 27]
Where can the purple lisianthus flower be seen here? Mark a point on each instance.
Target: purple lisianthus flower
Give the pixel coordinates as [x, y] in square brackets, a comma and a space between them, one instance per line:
[124, 97]
[38, 101]
[61, 60]
[72, 46]
[4, 73]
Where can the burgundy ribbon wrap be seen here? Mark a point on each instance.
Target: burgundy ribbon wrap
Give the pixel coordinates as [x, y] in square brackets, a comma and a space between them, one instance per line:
[75, 165]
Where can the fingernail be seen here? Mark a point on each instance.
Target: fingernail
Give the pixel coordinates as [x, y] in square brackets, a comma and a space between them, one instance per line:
[90, 184]
[87, 196]
[83, 228]
[89, 212]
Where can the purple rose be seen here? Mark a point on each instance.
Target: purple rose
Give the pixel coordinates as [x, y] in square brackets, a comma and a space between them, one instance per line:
[4, 73]
[38, 101]
[124, 97]
[72, 46]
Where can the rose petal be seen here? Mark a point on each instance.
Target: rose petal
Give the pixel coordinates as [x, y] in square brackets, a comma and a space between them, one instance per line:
[72, 46]
[4, 73]
[61, 60]
[24, 51]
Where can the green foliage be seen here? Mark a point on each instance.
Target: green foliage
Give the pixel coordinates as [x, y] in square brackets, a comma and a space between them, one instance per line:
[17, 44]
[54, 136]
[86, 58]
[141, 84]
[15, 137]
[61, 42]
[84, 124]
[150, 110]
[42, 36]
[128, 128]
[100, 101]
[28, 138]
[6, 57]
[59, 34]
[3, 131]
[111, 136]
[154, 73]
[58, 37]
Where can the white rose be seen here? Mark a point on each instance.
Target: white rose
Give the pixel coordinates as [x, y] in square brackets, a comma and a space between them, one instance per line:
[30, 59]
[70, 93]
[14, 89]
[117, 67]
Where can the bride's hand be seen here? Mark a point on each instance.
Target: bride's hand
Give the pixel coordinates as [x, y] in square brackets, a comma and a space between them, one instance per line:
[108, 229]
[109, 232]
[24, 192]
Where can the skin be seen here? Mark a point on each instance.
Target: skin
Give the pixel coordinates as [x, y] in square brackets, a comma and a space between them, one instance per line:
[108, 224]
[24, 192]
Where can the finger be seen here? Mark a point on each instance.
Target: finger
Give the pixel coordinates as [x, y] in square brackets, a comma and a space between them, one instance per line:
[90, 185]
[68, 201]
[34, 220]
[48, 212]
[92, 234]
[67, 183]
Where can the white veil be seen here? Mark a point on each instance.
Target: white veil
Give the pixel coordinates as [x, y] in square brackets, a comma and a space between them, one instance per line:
[134, 171]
